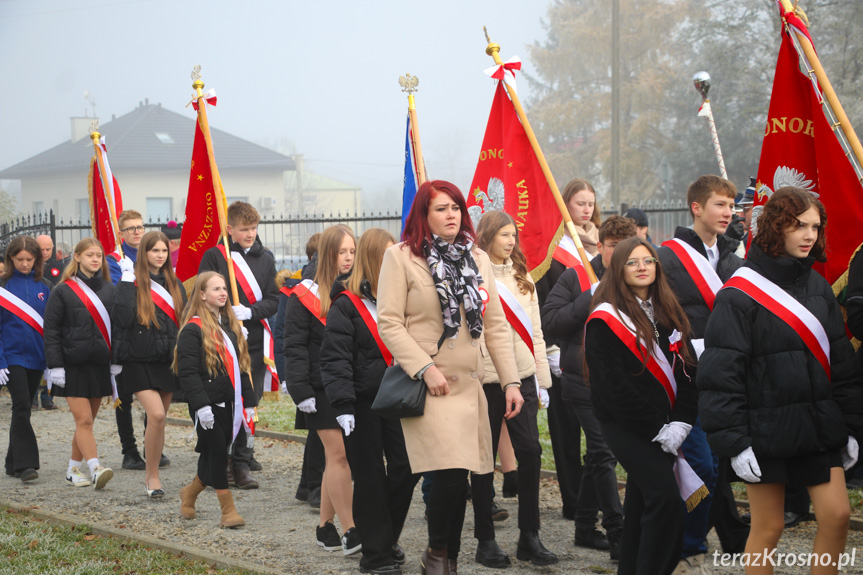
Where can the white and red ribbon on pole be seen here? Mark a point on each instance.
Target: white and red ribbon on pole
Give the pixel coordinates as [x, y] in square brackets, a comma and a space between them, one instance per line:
[210, 97]
[505, 71]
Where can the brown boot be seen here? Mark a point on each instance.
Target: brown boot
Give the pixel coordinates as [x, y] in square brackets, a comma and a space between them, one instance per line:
[453, 566]
[230, 518]
[231, 481]
[244, 479]
[434, 562]
[188, 495]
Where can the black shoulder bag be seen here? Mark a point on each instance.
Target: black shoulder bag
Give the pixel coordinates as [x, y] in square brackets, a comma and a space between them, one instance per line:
[400, 395]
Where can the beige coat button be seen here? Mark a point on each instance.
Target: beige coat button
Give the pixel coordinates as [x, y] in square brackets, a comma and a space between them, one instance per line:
[454, 378]
[451, 345]
[473, 342]
[473, 375]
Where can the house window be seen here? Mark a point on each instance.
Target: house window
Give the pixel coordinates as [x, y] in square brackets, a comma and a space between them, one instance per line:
[165, 137]
[83, 211]
[159, 209]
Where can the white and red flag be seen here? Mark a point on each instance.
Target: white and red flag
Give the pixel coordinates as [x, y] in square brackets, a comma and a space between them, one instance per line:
[102, 196]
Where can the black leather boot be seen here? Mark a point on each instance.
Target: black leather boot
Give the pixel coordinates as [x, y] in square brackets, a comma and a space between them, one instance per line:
[489, 554]
[530, 548]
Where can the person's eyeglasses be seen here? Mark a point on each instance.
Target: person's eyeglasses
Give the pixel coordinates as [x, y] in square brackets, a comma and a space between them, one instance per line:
[134, 229]
[646, 262]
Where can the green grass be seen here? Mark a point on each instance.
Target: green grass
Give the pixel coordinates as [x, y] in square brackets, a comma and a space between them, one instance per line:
[29, 545]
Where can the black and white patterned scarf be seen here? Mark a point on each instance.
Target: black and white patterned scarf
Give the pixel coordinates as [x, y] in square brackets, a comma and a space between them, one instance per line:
[457, 280]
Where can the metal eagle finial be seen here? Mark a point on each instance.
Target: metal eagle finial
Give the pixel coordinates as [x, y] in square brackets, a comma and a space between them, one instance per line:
[409, 83]
[196, 72]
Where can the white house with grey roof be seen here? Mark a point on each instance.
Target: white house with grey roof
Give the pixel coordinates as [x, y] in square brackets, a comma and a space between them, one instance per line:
[150, 152]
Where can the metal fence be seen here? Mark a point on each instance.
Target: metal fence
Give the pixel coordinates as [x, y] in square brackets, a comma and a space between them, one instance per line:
[286, 237]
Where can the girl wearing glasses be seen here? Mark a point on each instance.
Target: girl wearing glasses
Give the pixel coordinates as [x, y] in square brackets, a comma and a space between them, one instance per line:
[644, 401]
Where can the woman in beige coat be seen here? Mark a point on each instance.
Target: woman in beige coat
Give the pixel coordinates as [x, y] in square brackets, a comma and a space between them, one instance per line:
[498, 236]
[431, 292]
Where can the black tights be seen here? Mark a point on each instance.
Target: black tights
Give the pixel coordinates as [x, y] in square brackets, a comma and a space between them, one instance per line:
[446, 507]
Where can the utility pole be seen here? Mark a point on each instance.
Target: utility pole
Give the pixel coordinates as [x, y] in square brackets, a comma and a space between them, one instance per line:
[615, 103]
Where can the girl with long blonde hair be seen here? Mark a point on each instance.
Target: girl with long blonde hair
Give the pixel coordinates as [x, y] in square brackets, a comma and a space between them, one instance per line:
[146, 317]
[212, 363]
[305, 318]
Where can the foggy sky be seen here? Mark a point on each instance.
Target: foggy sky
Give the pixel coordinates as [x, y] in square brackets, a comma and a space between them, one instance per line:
[319, 76]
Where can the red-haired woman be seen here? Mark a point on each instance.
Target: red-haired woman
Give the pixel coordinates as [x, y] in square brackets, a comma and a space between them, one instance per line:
[778, 390]
[146, 317]
[432, 290]
[643, 399]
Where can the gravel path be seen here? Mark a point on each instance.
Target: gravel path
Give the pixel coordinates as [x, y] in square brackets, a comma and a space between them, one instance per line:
[280, 531]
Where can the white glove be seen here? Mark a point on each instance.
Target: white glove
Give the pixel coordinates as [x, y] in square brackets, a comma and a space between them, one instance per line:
[284, 387]
[671, 436]
[250, 413]
[544, 400]
[116, 369]
[242, 312]
[58, 376]
[307, 405]
[127, 267]
[554, 363]
[850, 453]
[746, 466]
[4, 376]
[205, 417]
[245, 332]
[347, 422]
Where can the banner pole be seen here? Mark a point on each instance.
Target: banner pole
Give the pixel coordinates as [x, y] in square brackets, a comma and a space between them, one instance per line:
[493, 50]
[415, 140]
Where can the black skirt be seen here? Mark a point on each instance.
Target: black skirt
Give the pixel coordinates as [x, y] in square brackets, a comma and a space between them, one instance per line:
[324, 417]
[137, 377]
[800, 471]
[87, 380]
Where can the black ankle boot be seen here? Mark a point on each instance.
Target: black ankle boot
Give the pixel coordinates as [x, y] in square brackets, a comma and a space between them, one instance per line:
[530, 548]
[489, 554]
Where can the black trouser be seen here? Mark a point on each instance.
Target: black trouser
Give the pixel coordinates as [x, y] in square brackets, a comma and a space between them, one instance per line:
[525, 443]
[598, 490]
[382, 494]
[732, 532]
[213, 447]
[23, 452]
[242, 453]
[565, 432]
[314, 462]
[446, 507]
[654, 511]
[123, 414]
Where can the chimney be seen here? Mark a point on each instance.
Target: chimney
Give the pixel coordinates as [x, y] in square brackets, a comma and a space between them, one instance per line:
[81, 128]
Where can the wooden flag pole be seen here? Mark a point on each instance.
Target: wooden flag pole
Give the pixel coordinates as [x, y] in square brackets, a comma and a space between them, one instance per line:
[415, 140]
[493, 50]
[221, 201]
[827, 88]
[112, 210]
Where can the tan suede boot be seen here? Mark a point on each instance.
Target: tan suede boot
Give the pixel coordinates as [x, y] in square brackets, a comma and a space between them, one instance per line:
[188, 496]
[230, 518]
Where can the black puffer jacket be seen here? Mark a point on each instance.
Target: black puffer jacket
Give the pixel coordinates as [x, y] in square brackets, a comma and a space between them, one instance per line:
[199, 387]
[303, 335]
[563, 315]
[681, 282]
[134, 342]
[351, 362]
[543, 287]
[71, 335]
[263, 267]
[621, 390]
[760, 386]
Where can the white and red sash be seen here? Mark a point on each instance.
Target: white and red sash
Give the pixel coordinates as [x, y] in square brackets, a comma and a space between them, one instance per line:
[698, 268]
[94, 305]
[307, 292]
[21, 309]
[232, 365]
[567, 254]
[162, 298]
[253, 294]
[516, 315]
[786, 308]
[369, 312]
[624, 328]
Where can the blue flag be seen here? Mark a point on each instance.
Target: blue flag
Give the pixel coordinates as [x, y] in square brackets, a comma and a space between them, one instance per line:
[410, 182]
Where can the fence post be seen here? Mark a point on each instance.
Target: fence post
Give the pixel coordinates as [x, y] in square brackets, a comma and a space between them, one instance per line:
[52, 227]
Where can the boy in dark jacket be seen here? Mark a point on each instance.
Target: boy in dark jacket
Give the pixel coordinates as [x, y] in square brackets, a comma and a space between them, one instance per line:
[696, 261]
[253, 310]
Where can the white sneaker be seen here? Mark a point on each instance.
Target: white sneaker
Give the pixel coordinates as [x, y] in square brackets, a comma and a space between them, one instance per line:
[77, 479]
[101, 476]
